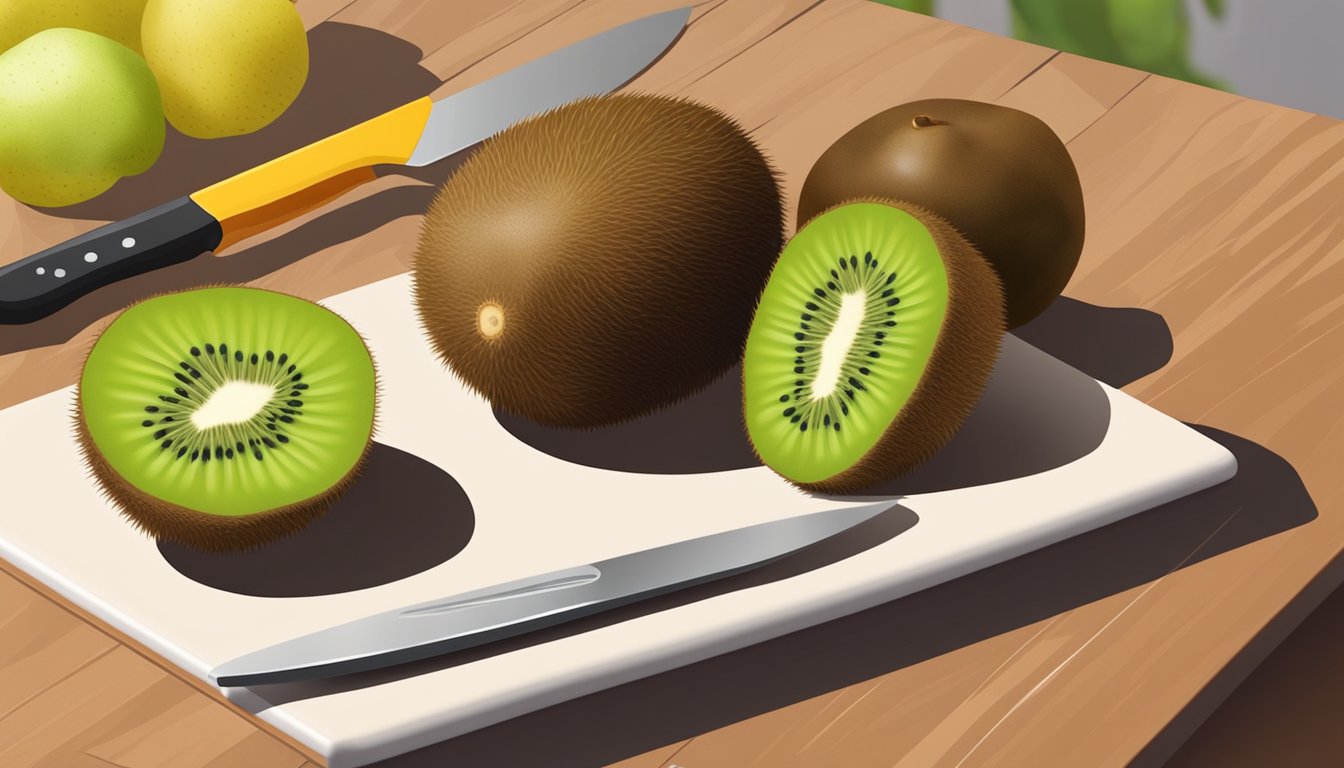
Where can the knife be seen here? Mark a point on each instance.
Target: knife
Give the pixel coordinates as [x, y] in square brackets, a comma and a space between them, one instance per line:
[473, 618]
[416, 134]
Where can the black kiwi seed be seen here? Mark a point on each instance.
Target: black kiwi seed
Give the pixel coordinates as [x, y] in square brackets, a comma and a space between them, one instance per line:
[173, 431]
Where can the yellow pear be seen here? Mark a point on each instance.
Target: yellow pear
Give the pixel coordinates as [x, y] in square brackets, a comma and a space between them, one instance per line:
[225, 67]
[117, 19]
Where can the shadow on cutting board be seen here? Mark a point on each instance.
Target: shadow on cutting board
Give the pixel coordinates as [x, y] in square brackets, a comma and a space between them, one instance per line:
[702, 433]
[342, 90]
[402, 516]
[1114, 345]
[1015, 431]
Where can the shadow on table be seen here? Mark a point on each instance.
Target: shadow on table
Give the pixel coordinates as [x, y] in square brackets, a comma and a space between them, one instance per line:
[1116, 345]
[402, 516]
[342, 90]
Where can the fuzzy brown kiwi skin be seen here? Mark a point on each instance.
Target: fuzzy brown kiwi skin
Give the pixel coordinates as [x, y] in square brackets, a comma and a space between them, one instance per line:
[959, 366]
[626, 239]
[199, 530]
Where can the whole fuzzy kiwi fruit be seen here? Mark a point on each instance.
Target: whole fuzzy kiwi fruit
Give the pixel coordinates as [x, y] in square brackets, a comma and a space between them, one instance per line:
[224, 418]
[601, 260]
[999, 175]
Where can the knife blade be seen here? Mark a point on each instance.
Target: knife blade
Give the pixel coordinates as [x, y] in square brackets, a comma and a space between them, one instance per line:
[416, 134]
[505, 610]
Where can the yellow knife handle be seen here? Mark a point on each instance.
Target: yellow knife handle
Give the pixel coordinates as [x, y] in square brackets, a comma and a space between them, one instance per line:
[299, 181]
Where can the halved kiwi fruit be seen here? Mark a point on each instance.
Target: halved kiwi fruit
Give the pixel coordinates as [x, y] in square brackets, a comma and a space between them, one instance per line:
[871, 344]
[223, 418]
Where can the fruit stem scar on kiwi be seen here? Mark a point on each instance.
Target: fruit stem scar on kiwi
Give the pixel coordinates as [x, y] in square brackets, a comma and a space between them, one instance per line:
[923, 121]
[490, 320]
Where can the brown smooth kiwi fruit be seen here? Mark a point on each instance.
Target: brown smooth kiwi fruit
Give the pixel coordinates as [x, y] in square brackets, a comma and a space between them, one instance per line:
[999, 175]
[601, 260]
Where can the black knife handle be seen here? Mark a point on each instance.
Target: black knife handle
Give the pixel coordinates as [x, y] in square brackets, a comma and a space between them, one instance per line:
[37, 286]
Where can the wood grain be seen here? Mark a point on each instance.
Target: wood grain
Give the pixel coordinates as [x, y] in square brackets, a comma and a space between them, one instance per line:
[1216, 212]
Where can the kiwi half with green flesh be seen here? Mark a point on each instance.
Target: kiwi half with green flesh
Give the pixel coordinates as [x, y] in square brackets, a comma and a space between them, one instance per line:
[223, 418]
[871, 344]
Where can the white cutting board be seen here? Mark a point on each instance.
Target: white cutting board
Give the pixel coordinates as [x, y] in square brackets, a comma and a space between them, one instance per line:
[535, 513]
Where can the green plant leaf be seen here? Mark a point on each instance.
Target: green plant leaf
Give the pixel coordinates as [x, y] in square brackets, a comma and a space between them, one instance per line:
[918, 6]
[1216, 8]
[1152, 35]
[1078, 26]
[1149, 32]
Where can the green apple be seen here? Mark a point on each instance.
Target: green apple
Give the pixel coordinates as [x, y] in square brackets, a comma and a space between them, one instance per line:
[77, 112]
[117, 19]
[226, 67]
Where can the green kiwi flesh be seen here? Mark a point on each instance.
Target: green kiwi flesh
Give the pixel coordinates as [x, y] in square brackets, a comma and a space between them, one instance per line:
[222, 418]
[599, 261]
[871, 344]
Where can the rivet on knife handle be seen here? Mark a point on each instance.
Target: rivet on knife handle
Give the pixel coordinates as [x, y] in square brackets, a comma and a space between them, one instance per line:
[35, 287]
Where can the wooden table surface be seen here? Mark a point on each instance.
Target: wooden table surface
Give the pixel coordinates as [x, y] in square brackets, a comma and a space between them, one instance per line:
[1210, 287]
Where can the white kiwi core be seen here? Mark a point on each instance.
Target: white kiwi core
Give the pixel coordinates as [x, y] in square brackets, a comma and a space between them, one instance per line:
[835, 348]
[236, 402]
